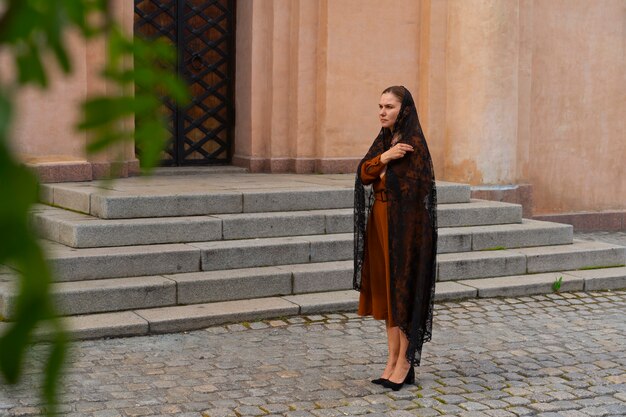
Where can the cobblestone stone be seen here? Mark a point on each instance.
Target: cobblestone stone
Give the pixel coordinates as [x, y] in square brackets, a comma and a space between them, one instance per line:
[448, 409]
[473, 406]
[499, 413]
[423, 412]
[530, 357]
[595, 411]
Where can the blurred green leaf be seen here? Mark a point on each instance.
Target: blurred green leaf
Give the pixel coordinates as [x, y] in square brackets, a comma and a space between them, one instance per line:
[30, 67]
[30, 32]
[62, 57]
[17, 22]
[22, 250]
[54, 367]
[176, 89]
[153, 75]
[55, 32]
[6, 112]
[107, 109]
[13, 346]
[150, 137]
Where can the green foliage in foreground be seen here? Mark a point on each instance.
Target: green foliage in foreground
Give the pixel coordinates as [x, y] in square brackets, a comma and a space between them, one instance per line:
[32, 36]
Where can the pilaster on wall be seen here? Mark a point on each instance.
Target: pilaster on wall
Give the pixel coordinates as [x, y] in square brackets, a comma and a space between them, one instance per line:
[118, 160]
[482, 91]
[446, 63]
[95, 59]
[524, 108]
[431, 99]
[277, 61]
[308, 76]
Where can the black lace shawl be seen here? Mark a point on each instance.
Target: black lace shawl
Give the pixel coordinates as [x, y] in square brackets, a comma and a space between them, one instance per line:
[412, 219]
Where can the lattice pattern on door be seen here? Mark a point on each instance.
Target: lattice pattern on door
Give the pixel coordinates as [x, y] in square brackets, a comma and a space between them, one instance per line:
[203, 33]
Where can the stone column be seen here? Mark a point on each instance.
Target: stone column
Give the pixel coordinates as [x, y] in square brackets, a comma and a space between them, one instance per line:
[253, 86]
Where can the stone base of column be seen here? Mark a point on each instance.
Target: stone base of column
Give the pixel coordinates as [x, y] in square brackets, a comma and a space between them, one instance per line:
[298, 165]
[68, 171]
[516, 193]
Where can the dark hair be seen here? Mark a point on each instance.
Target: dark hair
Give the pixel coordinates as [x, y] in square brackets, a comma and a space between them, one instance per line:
[396, 90]
[407, 123]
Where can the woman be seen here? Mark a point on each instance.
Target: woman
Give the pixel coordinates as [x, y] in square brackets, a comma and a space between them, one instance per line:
[394, 259]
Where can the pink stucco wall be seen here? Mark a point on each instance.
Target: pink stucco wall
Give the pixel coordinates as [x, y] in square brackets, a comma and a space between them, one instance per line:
[44, 126]
[508, 92]
[577, 138]
[44, 133]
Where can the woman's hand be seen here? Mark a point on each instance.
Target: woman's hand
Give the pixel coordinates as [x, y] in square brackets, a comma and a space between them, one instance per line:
[397, 151]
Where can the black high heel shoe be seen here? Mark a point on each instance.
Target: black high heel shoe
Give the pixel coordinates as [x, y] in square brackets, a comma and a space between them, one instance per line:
[409, 379]
[379, 381]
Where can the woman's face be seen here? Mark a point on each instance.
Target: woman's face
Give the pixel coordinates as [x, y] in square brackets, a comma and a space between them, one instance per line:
[389, 107]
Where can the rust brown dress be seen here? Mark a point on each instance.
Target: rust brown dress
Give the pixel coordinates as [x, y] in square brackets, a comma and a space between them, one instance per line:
[374, 299]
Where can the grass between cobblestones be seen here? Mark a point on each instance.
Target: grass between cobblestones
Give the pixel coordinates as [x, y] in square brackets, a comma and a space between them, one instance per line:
[552, 355]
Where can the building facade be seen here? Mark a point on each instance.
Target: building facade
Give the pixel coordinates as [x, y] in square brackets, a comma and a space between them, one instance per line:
[523, 99]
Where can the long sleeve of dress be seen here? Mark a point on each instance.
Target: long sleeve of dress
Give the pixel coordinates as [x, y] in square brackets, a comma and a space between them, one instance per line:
[371, 170]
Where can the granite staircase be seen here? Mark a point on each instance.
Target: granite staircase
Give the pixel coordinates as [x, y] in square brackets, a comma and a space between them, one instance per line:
[175, 253]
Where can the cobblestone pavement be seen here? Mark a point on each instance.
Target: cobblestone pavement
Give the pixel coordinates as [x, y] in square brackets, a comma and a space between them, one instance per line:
[550, 355]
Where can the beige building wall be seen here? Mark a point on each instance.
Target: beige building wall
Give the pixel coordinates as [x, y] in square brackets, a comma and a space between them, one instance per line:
[575, 152]
[43, 129]
[519, 93]
[44, 133]
[509, 92]
[309, 76]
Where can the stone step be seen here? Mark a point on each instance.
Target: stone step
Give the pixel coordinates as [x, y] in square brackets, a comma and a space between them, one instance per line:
[199, 170]
[178, 196]
[83, 231]
[99, 296]
[183, 318]
[478, 213]
[530, 284]
[226, 285]
[197, 316]
[483, 264]
[69, 264]
[116, 294]
[249, 253]
[503, 236]
[98, 263]
[107, 295]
